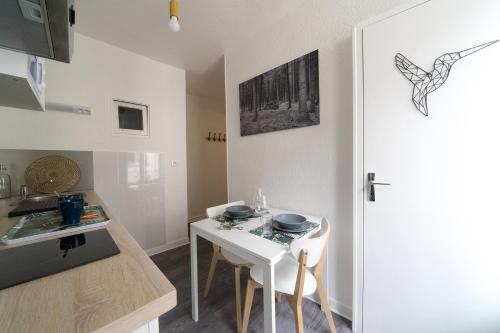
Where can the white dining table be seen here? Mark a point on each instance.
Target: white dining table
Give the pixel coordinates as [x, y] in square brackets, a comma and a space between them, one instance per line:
[257, 250]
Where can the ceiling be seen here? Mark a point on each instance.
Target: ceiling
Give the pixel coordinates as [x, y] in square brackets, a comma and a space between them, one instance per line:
[208, 28]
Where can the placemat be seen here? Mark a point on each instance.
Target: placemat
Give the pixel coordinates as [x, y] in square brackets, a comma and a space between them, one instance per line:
[282, 237]
[52, 173]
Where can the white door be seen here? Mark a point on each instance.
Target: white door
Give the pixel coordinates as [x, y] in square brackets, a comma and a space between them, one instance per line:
[431, 245]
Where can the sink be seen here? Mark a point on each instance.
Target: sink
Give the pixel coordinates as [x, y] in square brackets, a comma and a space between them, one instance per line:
[36, 204]
[40, 197]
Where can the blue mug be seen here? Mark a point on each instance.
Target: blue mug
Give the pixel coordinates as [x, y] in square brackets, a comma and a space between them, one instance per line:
[70, 197]
[71, 209]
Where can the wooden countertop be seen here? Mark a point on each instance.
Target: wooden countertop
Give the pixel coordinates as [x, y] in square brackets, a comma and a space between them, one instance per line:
[117, 294]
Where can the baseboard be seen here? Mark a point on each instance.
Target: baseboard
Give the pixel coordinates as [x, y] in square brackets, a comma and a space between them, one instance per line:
[340, 308]
[314, 297]
[335, 306]
[167, 246]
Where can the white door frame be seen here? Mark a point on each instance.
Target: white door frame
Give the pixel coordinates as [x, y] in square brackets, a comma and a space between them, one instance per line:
[359, 193]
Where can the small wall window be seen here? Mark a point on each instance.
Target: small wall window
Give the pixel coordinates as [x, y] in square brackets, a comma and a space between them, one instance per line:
[130, 118]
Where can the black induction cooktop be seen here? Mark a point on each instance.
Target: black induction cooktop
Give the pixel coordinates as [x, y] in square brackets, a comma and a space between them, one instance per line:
[29, 262]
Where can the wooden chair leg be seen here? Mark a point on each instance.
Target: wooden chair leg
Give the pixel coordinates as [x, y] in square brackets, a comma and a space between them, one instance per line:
[237, 273]
[299, 319]
[296, 305]
[248, 304]
[277, 296]
[325, 305]
[211, 271]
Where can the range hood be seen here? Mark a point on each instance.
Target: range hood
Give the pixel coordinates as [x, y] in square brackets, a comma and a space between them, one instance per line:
[39, 27]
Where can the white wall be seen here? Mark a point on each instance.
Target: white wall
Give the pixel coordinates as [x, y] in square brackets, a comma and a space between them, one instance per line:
[307, 169]
[134, 188]
[206, 160]
[98, 73]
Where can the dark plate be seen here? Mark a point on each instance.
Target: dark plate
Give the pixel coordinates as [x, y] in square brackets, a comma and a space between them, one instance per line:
[229, 216]
[239, 211]
[289, 221]
[300, 228]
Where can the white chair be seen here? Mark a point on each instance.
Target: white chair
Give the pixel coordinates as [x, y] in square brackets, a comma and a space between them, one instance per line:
[293, 277]
[223, 254]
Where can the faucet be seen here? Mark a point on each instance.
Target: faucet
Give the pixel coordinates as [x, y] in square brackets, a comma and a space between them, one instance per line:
[23, 190]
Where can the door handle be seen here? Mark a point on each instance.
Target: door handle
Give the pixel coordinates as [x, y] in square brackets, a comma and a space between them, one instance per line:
[371, 186]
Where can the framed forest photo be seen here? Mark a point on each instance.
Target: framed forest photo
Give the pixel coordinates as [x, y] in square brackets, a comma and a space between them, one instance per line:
[284, 97]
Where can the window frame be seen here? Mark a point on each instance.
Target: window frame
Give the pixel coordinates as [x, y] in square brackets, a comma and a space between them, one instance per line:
[117, 131]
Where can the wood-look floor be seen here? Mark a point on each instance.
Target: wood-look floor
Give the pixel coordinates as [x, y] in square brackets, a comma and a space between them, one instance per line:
[217, 311]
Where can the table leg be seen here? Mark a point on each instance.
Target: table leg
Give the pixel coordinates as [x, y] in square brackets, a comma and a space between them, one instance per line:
[194, 276]
[269, 310]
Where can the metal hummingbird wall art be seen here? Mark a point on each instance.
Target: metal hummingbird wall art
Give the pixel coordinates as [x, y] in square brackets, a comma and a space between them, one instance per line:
[426, 82]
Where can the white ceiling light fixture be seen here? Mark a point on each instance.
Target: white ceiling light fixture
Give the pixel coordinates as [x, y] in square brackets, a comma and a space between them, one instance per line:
[174, 16]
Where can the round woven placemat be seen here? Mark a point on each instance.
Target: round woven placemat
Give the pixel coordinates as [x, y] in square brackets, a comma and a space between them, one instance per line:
[52, 173]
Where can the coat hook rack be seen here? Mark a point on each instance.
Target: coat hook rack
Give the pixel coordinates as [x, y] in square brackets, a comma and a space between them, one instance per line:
[216, 137]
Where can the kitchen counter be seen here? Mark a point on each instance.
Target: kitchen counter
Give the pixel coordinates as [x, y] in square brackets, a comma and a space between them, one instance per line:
[117, 294]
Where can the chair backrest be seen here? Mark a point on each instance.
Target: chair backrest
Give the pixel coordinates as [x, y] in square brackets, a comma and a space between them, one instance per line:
[314, 245]
[218, 210]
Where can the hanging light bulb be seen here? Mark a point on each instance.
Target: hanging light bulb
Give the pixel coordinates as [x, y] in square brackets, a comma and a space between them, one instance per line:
[174, 24]
[174, 16]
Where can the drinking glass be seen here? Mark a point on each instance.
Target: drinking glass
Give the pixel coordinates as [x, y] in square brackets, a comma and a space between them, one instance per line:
[266, 221]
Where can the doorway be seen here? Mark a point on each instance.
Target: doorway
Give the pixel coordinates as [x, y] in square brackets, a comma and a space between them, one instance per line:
[206, 154]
